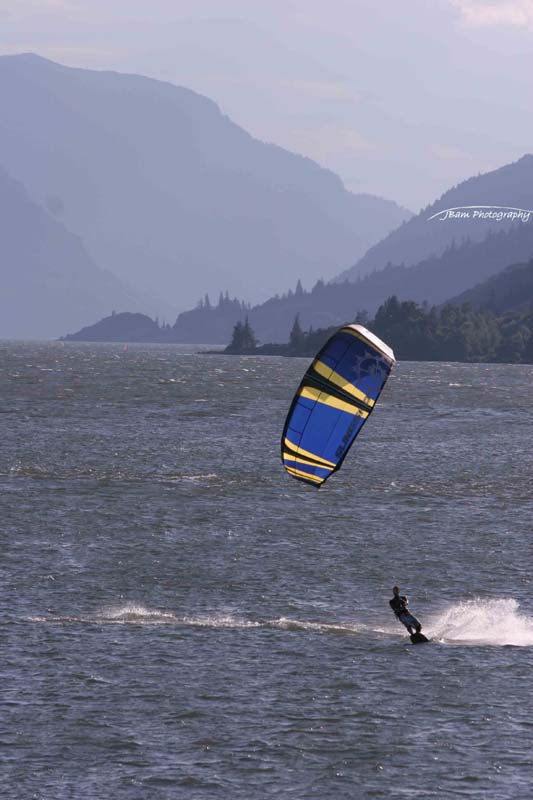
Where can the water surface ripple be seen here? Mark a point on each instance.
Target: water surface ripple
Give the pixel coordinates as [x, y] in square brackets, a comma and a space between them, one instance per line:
[181, 619]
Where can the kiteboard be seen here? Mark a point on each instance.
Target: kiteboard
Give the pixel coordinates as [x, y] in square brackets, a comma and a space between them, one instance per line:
[419, 638]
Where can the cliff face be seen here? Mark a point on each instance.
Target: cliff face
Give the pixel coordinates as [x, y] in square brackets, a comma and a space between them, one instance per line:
[169, 193]
[49, 283]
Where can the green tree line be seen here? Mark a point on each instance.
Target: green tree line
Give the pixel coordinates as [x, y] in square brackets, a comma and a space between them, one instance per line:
[418, 333]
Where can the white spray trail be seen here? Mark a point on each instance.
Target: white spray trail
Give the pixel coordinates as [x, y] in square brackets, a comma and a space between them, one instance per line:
[480, 621]
[473, 622]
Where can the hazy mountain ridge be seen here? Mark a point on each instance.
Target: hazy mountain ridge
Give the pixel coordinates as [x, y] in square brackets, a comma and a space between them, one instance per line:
[434, 281]
[49, 282]
[168, 192]
[509, 290]
[420, 238]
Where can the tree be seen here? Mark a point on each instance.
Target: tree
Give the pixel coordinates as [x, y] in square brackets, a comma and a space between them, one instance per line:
[516, 336]
[297, 335]
[235, 346]
[249, 342]
[243, 339]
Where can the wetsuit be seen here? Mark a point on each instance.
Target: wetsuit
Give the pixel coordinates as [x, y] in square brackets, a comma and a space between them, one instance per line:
[399, 606]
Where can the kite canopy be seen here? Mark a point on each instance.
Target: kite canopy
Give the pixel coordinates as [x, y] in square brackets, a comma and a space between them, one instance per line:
[337, 394]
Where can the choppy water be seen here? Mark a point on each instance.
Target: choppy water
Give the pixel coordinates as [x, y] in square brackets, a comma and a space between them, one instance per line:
[181, 619]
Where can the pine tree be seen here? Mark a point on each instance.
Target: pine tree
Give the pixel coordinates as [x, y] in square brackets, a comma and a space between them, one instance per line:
[235, 346]
[243, 339]
[297, 335]
[248, 336]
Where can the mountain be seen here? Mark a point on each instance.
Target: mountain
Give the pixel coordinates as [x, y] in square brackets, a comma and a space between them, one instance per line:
[48, 281]
[434, 280]
[421, 238]
[509, 290]
[169, 193]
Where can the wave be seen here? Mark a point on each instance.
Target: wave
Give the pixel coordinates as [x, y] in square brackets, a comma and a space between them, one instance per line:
[480, 621]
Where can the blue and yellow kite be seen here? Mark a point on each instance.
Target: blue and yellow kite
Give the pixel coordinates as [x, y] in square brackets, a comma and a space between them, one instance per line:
[337, 394]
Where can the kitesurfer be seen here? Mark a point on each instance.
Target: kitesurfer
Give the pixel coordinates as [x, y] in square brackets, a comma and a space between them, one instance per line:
[399, 605]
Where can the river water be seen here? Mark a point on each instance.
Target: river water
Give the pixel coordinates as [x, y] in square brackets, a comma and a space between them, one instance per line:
[180, 618]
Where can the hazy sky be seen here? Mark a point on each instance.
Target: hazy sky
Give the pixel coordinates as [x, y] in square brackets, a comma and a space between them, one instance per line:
[400, 97]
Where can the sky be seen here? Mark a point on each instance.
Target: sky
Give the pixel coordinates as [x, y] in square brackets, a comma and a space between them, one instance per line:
[401, 98]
